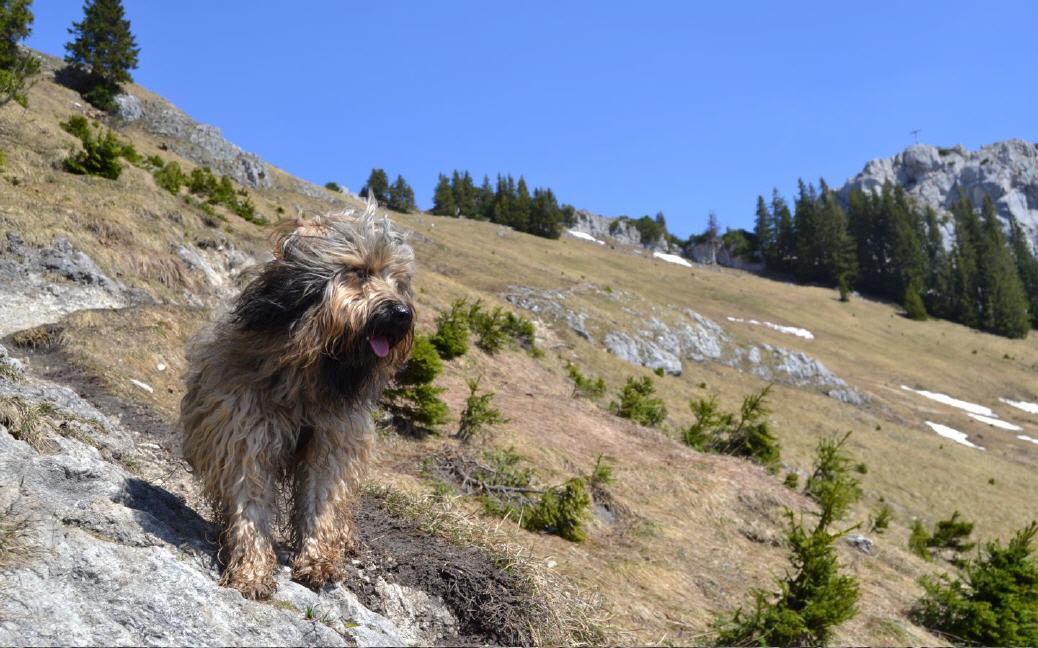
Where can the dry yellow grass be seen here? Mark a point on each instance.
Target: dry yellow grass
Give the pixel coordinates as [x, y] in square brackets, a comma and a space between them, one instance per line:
[702, 531]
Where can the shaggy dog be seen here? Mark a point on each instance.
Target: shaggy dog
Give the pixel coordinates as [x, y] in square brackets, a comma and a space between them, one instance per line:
[281, 390]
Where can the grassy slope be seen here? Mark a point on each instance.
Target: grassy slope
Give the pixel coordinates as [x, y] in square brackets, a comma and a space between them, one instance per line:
[701, 530]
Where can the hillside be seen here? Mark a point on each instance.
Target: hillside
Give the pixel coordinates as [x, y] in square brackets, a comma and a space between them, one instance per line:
[103, 282]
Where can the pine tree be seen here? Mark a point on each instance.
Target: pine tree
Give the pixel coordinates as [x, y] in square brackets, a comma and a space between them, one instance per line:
[485, 200]
[1026, 266]
[17, 67]
[785, 235]
[443, 198]
[913, 304]
[938, 295]
[1004, 302]
[466, 196]
[401, 196]
[378, 186]
[545, 215]
[104, 47]
[964, 263]
[764, 228]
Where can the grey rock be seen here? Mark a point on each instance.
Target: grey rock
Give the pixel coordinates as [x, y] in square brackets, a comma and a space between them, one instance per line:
[610, 228]
[1007, 171]
[128, 108]
[639, 351]
[320, 193]
[74, 265]
[200, 143]
[41, 286]
[860, 542]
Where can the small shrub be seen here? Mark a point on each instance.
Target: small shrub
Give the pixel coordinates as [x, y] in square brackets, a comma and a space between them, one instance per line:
[522, 331]
[561, 511]
[155, 161]
[601, 474]
[100, 154]
[413, 399]
[333, 186]
[994, 602]
[489, 326]
[637, 402]
[914, 307]
[659, 371]
[812, 598]
[452, 331]
[831, 479]
[744, 435]
[583, 386]
[792, 480]
[881, 520]
[919, 540]
[170, 177]
[478, 413]
[952, 534]
[130, 154]
[77, 126]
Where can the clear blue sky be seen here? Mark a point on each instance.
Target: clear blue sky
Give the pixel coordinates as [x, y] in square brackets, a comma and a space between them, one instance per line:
[620, 107]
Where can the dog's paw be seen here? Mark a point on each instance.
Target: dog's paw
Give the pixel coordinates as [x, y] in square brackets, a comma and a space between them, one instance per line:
[255, 588]
[315, 572]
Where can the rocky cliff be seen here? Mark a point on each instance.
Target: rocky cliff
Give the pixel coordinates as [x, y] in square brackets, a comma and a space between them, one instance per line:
[1007, 171]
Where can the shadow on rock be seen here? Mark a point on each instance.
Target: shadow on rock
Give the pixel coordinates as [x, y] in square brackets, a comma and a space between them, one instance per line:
[166, 516]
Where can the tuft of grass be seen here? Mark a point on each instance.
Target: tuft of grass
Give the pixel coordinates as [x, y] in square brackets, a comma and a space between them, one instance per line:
[27, 422]
[14, 535]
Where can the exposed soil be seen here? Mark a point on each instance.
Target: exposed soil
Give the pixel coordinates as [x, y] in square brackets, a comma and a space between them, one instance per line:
[490, 603]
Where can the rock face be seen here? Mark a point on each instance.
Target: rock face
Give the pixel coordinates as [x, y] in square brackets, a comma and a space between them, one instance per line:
[200, 143]
[38, 286]
[608, 228]
[1007, 171]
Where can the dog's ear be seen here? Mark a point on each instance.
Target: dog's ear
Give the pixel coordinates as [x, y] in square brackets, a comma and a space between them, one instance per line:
[277, 298]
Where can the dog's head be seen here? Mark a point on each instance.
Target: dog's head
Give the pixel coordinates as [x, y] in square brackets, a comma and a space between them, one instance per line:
[339, 292]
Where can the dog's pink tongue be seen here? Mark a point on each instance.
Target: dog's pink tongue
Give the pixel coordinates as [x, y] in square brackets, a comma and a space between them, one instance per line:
[380, 345]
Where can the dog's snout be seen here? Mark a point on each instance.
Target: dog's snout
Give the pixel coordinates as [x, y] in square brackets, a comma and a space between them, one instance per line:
[394, 319]
[400, 314]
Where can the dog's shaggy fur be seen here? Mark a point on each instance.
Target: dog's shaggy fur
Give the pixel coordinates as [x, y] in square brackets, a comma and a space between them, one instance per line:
[281, 390]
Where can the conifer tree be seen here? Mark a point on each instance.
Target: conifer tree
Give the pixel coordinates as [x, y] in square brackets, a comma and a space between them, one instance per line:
[785, 235]
[1004, 302]
[401, 196]
[17, 67]
[485, 200]
[377, 185]
[104, 48]
[545, 215]
[764, 228]
[1026, 266]
[938, 294]
[443, 198]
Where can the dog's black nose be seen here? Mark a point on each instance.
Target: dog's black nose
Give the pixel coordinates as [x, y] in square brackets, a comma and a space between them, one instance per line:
[400, 315]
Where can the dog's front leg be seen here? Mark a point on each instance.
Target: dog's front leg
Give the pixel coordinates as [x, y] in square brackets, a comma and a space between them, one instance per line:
[327, 477]
[249, 486]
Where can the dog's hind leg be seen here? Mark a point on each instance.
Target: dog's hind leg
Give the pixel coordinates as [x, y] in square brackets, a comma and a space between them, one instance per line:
[327, 476]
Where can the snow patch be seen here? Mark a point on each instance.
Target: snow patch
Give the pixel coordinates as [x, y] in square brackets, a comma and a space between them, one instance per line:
[953, 434]
[1030, 408]
[788, 330]
[143, 386]
[1005, 425]
[672, 258]
[1024, 437]
[954, 402]
[585, 236]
